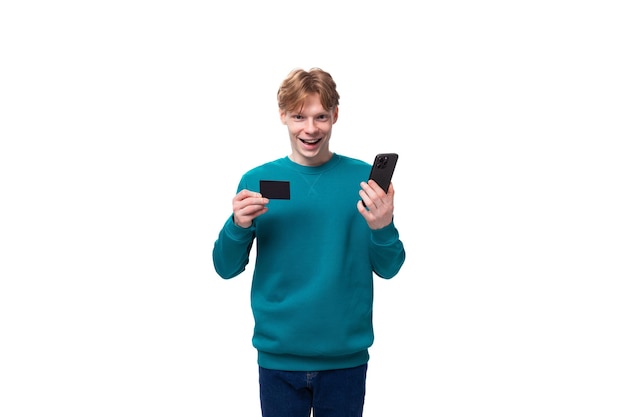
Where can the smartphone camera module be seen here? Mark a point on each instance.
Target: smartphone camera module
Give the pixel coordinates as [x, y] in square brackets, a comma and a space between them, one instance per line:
[382, 162]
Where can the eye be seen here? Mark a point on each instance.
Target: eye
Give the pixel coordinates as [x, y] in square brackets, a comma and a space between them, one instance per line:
[322, 117]
[297, 116]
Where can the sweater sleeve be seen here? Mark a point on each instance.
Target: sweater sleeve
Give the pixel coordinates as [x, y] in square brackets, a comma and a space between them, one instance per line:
[231, 252]
[386, 251]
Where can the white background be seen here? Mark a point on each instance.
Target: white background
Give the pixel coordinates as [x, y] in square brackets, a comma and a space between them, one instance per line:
[126, 125]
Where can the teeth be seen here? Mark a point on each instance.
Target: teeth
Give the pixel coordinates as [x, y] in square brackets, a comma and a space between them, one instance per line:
[309, 140]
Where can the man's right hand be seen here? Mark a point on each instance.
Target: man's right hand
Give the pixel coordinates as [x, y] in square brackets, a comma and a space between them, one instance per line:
[247, 205]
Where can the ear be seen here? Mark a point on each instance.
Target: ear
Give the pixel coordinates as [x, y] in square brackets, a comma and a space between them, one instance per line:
[335, 114]
[283, 116]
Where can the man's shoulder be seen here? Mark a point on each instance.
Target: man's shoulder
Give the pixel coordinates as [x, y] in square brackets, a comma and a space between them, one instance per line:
[347, 160]
[267, 167]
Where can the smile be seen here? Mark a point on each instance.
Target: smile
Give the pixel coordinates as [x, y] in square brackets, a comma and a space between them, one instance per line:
[310, 141]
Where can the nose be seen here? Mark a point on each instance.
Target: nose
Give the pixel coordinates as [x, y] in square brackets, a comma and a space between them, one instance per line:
[310, 125]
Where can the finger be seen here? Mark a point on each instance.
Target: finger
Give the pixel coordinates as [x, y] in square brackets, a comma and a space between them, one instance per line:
[243, 194]
[367, 201]
[375, 187]
[247, 197]
[368, 187]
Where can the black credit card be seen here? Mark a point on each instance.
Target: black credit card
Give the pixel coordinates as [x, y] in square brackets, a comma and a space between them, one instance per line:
[277, 190]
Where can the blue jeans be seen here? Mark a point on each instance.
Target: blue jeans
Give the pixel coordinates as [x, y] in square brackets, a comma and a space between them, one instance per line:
[333, 393]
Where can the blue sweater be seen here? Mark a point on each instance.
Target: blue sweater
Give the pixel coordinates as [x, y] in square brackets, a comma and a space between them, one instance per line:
[312, 288]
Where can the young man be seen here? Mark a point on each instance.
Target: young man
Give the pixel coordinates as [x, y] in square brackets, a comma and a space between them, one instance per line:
[317, 250]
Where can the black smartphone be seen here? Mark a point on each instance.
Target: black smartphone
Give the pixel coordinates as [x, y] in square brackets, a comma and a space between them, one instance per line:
[382, 169]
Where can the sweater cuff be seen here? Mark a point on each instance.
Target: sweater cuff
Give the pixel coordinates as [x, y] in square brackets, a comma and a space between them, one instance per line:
[237, 232]
[385, 236]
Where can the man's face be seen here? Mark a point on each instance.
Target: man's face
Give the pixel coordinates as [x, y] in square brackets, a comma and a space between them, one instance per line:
[309, 131]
